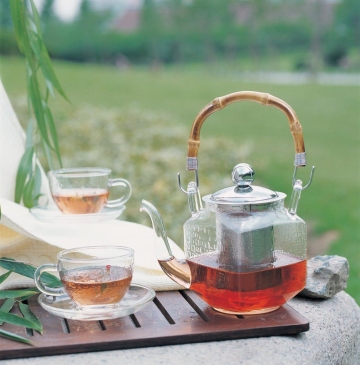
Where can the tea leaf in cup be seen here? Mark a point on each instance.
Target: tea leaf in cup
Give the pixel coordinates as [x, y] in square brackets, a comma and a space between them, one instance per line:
[103, 287]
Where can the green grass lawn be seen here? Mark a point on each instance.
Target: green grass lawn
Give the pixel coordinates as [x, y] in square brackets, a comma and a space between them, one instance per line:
[330, 116]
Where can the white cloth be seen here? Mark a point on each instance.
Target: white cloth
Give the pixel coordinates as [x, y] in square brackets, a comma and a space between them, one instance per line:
[24, 238]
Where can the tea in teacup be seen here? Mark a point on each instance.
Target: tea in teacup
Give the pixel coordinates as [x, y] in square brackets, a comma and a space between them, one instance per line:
[81, 201]
[97, 285]
[85, 190]
[93, 277]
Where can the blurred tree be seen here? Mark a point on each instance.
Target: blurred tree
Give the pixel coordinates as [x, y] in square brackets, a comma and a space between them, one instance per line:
[344, 36]
[48, 13]
[85, 9]
[318, 23]
[178, 29]
[7, 37]
[347, 15]
[282, 27]
[81, 40]
[206, 30]
[196, 30]
[209, 25]
[152, 28]
[259, 10]
[5, 15]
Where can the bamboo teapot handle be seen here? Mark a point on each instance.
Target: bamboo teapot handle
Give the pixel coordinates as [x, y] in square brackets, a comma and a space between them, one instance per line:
[262, 98]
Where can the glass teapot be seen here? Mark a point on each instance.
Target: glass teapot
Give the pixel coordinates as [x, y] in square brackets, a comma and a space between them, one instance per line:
[244, 252]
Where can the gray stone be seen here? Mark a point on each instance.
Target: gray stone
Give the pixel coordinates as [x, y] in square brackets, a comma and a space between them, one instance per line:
[326, 276]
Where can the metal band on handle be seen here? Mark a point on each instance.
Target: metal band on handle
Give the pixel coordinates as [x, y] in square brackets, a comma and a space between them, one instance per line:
[300, 159]
[192, 163]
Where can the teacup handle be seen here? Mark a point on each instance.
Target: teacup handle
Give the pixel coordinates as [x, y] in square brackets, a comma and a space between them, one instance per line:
[40, 285]
[125, 197]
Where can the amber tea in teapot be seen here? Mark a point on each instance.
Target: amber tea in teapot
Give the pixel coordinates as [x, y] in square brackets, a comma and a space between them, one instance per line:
[241, 291]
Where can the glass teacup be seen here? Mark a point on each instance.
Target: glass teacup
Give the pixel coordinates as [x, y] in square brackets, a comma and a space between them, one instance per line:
[94, 277]
[85, 190]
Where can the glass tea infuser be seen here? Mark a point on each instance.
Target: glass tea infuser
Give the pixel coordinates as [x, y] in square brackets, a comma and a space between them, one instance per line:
[244, 252]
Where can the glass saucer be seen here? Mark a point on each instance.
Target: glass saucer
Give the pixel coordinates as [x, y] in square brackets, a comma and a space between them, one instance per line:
[51, 214]
[137, 297]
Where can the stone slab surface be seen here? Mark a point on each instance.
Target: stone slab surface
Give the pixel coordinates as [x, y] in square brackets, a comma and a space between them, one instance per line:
[333, 339]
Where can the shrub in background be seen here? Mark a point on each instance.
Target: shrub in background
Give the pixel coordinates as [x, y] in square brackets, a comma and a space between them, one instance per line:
[147, 149]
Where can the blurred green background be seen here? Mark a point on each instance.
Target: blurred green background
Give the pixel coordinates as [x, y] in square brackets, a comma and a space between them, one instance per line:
[138, 75]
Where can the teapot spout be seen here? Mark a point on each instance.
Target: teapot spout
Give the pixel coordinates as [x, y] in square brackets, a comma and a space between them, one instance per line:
[176, 269]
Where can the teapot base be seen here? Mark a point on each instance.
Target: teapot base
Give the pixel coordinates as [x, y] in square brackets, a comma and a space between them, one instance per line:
[248, 313]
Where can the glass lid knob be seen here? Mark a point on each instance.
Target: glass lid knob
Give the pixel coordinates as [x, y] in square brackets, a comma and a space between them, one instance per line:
[243, 175]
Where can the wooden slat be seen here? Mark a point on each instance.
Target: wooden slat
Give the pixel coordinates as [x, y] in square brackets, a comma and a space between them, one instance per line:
[173, 318]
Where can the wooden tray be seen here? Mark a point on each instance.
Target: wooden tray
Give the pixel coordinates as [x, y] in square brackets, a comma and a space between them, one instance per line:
[175, 317]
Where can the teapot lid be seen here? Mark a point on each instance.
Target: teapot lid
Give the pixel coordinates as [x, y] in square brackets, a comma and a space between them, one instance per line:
[243, 193]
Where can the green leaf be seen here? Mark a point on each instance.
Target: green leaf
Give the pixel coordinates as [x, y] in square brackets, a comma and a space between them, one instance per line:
[36, 18]
[30, 131]
[28, 271]
[20, 14]
[52, 130]
[37, 105]
[19, 321]
[4, 294]
[49, 89]
[32, 187]
[25, 297]
[48, 155]
[42, 55]
[24, 170]
[28, 314]
[7, 306]
[28, 192]
[37, 180]
[5, 276]
[13, 336]
[17, 10]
